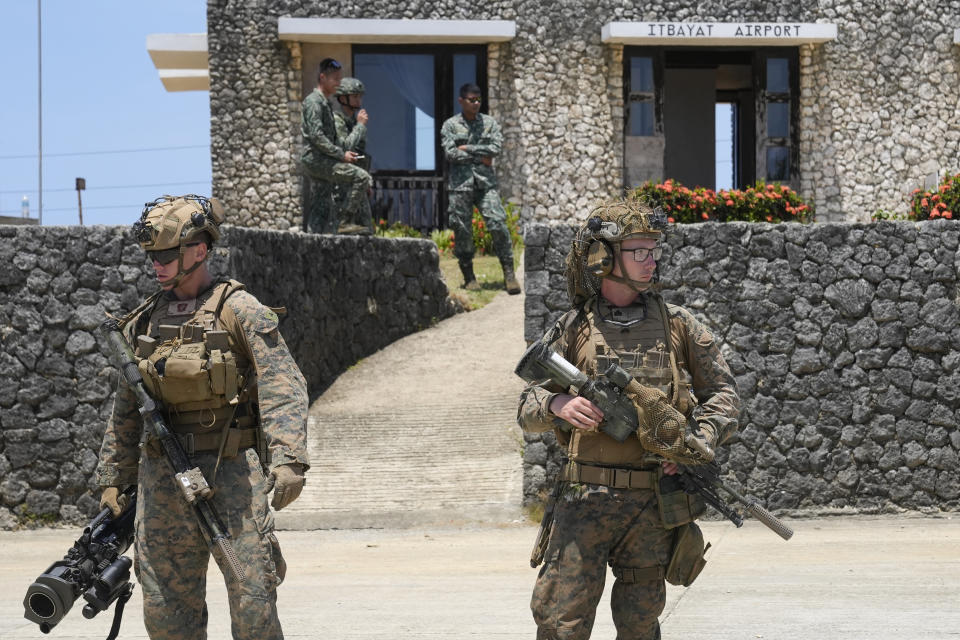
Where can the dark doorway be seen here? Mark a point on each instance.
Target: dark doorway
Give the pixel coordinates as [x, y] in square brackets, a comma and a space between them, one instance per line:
[717, 118]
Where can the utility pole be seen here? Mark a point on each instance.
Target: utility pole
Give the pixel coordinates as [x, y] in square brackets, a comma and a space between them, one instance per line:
[81, 185]
[40, 111]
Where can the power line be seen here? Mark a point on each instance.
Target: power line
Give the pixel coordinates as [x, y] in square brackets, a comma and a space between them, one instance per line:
[138, 207]
[122, 186]
[104, 152]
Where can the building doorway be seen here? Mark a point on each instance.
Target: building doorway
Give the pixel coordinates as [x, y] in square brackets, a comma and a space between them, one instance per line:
[717, 118]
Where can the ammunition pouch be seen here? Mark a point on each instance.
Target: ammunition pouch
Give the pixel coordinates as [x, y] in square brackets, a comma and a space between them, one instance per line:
[677, 507]
[687, 558]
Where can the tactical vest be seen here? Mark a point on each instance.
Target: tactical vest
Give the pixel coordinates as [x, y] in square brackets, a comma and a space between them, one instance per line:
[645, 349]
[191, 356]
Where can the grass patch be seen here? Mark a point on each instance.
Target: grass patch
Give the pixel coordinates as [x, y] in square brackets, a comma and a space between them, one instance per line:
[489, 276]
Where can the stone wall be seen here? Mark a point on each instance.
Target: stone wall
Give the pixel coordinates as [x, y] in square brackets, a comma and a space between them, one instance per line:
[878, 105]
[845, 342]
[347, 296]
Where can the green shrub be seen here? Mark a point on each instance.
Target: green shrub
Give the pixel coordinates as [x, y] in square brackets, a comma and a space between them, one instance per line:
[759, 203]
[395, 230]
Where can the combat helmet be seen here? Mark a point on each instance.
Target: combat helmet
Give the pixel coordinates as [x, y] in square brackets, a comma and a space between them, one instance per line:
[169, 224]
[596, 246]
[350, 87]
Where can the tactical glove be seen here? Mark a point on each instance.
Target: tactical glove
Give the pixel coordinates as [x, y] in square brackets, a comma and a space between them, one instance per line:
[287, 480]
[112, 497]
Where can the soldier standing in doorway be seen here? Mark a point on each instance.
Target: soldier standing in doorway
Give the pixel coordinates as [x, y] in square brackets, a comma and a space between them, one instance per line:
[324, 158]
[471, 140]
[351, 122]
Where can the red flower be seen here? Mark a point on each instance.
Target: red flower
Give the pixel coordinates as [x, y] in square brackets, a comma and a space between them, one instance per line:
[729, 202]
[948, 215]
[670, 220]
[924, 203]
[704, 216]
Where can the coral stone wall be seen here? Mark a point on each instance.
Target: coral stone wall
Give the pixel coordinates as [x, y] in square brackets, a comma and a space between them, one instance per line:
[845, 343]
[346, 296]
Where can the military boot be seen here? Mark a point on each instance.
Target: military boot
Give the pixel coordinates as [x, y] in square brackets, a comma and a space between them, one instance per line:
[509, 279]
[469, 280]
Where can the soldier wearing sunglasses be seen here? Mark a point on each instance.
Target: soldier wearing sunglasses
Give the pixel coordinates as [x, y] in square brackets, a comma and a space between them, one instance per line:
[471, 140]
[212, 355]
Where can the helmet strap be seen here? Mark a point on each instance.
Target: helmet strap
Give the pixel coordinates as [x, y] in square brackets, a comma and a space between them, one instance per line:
[181, 273]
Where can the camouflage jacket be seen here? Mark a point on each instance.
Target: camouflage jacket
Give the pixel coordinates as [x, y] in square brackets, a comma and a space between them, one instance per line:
[483, 139]
[280, 388]
[351, 134]
[322, 147]
[696, 353]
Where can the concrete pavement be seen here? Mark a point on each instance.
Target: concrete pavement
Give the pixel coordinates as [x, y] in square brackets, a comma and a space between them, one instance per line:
[850, 578]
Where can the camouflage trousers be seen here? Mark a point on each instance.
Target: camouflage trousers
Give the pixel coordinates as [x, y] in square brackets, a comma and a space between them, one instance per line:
[325, 212]
[460, 210]
[171, 554]
[595, 526]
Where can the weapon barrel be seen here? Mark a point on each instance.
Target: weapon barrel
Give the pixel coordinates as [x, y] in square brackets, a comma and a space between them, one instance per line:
[770, 520]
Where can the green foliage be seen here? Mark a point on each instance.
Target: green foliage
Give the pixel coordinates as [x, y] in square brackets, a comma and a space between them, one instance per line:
[759, 203]
[483, 240]
[443, 238]
[395, 230]
[941, 202]
[883, 214]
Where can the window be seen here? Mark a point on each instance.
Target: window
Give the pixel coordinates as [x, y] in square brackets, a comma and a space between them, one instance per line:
[411, 90]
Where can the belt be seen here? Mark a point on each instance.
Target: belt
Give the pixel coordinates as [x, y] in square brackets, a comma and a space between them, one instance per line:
[209, 442]
[610, 476]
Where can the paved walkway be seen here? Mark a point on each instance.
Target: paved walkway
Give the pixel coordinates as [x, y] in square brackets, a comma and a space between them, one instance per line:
[421, 432]
[849, 578]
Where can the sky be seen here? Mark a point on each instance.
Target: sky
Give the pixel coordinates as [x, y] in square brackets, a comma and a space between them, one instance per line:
[106, 116]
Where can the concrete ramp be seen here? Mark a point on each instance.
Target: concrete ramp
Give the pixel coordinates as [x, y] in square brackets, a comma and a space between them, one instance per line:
[421, 432]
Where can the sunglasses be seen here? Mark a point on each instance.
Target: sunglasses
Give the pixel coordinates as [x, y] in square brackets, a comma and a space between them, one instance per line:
[472, 100]
[167, 256]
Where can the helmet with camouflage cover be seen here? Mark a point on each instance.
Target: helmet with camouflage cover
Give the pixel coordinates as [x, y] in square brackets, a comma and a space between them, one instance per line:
[596, 246]
[170, 224]
[350, 87]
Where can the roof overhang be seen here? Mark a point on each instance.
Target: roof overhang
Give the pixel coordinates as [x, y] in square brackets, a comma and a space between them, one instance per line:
[181, 60]
[363, 31]
[711, 34]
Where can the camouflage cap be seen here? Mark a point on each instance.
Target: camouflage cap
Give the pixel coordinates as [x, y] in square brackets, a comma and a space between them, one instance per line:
[172, 221]
[350, 87]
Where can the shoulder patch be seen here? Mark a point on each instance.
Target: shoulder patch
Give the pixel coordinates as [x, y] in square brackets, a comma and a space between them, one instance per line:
[253, 314]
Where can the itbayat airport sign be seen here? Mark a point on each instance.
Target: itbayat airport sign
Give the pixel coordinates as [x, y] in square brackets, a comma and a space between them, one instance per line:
[717, 33]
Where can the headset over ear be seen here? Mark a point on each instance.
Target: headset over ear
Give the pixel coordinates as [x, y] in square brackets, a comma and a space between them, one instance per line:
[600, 258]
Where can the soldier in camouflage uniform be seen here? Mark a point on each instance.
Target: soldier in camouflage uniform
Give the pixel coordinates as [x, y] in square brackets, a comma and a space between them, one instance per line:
[231, 391]
[614, 507]
[471, 140]
[351, 122]
[324, 158]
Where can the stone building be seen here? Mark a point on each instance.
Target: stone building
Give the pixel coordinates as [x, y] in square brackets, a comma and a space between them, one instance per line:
[853, 103]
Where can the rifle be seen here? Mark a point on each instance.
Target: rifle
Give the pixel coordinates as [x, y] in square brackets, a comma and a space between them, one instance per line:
[620, 419]
[703, 479]
[196, 491]
[546, 522]
[94, 567]
[606, 392]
